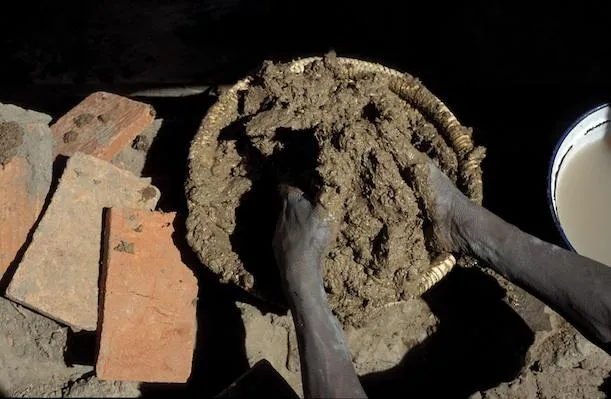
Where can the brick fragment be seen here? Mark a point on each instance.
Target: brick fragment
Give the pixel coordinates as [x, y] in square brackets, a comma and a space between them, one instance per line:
[58, 275]
[26, 168]
[133, 156]
[149, 297]
[10, 112]
[102, 125]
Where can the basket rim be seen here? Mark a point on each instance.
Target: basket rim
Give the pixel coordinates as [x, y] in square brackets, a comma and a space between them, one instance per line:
[229, 97]
[225, 110]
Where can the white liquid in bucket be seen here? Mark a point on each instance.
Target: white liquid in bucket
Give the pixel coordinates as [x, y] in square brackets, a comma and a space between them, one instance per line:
[583, 200]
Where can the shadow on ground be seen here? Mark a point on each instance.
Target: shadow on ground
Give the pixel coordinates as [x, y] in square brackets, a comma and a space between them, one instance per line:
[606, 387]
[480, 342]
[220, 355]
[259, 207]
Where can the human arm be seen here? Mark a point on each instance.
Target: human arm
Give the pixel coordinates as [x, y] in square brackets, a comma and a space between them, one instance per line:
[575, 286]
[302, 236]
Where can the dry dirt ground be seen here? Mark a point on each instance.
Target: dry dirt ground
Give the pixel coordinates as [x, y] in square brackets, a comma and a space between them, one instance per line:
[32, 360]
[401, 351]
[559, 363]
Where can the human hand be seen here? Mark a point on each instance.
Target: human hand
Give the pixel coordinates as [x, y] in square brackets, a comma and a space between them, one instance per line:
[303, 233]
[446, 206]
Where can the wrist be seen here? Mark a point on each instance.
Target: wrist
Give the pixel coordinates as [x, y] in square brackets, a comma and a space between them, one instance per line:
[481, 234]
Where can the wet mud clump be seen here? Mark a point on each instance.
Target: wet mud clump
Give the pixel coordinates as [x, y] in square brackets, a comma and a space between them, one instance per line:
[11, 138]
[344, 140]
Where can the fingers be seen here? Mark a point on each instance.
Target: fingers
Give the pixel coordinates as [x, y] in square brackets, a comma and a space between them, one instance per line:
[302, 229]
[286, 190]
[421, 174]
[413, 156]
[322, 214]
[296, 206]
[419, 166]
[293, 198]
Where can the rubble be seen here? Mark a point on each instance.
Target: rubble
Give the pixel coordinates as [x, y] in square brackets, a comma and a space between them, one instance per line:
[58, 275]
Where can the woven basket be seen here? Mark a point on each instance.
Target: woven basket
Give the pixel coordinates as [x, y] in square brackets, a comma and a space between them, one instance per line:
[408, 88]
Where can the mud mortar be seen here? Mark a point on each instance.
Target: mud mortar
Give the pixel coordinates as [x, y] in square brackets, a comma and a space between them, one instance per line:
[348, 142]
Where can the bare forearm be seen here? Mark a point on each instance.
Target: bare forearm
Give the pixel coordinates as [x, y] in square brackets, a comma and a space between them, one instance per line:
[326, 363]
[575, 286]
[303, 233]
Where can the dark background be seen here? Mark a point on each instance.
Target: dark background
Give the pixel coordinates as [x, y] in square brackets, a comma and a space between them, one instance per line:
[518, 74]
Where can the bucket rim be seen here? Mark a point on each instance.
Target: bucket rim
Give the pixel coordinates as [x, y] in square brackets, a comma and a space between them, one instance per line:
[551, 176]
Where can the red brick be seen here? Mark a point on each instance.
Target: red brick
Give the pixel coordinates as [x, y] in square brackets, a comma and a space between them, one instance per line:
[148, 321]
[58, 275]
[133, 157]
[24, 178]
[101, 125]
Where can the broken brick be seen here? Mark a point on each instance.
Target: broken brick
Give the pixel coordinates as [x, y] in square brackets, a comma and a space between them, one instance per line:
[9, 112]
[58, 275]
[148, 322]
[133, 156]
[26, 168]
[102, 125]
